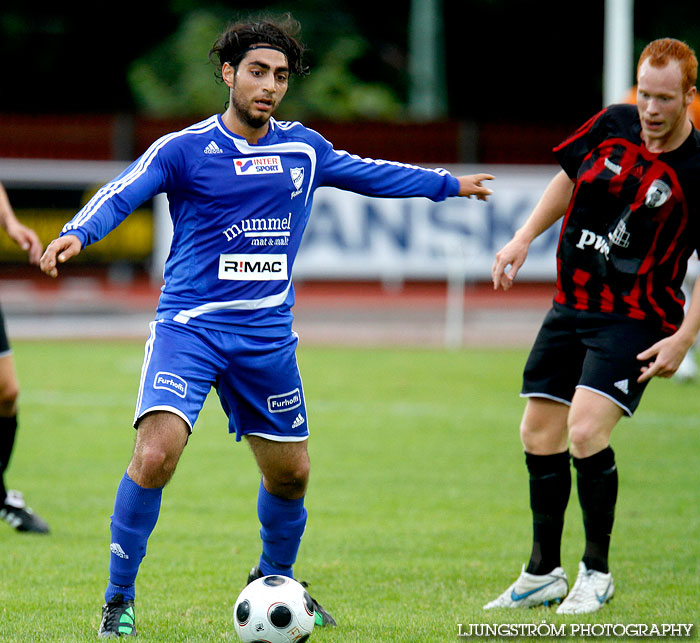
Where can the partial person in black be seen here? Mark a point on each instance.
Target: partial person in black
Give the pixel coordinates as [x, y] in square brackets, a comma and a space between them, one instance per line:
[629, 195]
[13, 509]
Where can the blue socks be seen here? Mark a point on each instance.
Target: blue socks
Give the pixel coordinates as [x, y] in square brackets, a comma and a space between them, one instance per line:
[283, 523]
[135, 515]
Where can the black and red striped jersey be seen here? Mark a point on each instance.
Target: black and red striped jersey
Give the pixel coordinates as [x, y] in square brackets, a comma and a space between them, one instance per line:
[632, 223]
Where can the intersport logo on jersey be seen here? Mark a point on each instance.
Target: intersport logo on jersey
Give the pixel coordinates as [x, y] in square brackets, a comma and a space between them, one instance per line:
[258, 165]
[244, 267]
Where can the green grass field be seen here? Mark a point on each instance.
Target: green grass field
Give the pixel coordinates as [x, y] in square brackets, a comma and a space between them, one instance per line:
[418, 500]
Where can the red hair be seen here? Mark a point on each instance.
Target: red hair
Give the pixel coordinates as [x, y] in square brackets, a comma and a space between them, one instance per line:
[660, 51]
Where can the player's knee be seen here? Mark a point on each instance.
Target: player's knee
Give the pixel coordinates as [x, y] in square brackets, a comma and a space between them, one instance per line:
[583, 438]
[534, 437]
[296, 478]
[543, 439]
[153, 458]
[9, 393]
[527, 433]
[290, 481]
[152, 466]
[543, 427]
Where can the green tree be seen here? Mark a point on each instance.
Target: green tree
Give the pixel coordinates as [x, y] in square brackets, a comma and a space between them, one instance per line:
[334, 92]
[175, 79]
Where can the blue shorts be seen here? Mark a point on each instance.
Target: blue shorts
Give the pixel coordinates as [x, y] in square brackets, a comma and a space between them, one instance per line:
[257, 379]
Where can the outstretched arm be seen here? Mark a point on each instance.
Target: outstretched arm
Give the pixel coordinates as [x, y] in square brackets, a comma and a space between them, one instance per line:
[23, 236]
[549, 209]
[470, 185]
[668, 353]
[59, 251]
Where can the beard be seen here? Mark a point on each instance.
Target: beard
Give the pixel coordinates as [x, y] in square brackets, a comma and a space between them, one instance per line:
[246, 115]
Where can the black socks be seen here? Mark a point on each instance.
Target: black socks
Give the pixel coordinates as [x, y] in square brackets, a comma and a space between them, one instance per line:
[597, 491]
[550, 486]
[8, 430]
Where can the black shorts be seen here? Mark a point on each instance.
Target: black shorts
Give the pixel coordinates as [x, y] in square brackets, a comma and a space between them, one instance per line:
[588, 350]
[4, 342]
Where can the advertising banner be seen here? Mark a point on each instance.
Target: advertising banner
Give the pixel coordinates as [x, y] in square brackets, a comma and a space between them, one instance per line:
[350, 236]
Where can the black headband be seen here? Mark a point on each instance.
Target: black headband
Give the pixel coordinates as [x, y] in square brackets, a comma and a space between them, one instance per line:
[263, 46]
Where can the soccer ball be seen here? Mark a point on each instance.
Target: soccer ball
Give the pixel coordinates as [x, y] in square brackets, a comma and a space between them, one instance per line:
[274, 609]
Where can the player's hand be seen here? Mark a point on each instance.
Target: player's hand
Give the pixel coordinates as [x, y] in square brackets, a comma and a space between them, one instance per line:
[666, 355]
[26, 239]
[59, 251]
[508, 261]
[470, 185]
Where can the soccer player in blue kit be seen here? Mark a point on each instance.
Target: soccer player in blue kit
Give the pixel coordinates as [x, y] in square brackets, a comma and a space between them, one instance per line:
[240, 187]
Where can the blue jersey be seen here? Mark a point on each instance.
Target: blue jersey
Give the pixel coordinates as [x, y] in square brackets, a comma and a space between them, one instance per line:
[239, 212]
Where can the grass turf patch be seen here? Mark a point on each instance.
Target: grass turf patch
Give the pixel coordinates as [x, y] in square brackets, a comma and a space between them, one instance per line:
[418, 505]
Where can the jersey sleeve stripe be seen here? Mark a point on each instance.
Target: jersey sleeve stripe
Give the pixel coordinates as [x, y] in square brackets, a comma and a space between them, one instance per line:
[118, 185]
[370, 161]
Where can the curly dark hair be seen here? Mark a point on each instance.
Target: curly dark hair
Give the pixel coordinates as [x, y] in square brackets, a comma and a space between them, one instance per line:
[282, 33]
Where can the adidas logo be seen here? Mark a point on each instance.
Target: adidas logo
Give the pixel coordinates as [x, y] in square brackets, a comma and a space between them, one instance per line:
[623, 385]
[117, 550]
[213, 148]
[298, 421]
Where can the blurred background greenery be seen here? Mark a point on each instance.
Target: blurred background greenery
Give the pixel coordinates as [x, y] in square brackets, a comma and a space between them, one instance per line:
[497, 59]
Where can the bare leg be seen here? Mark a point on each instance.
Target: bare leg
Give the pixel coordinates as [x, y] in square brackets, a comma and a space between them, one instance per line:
[160, 441]
[284, 465]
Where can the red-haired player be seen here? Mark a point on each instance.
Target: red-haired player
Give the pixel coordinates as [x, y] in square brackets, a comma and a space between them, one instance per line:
[629, 192]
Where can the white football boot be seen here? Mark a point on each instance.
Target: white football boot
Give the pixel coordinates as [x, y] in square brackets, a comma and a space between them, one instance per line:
[688, 370]
[590, 592]
[533, 589]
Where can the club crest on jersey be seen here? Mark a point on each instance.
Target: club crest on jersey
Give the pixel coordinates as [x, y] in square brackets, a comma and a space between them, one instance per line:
[258, 165]
[657, 194]
[297, 174]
